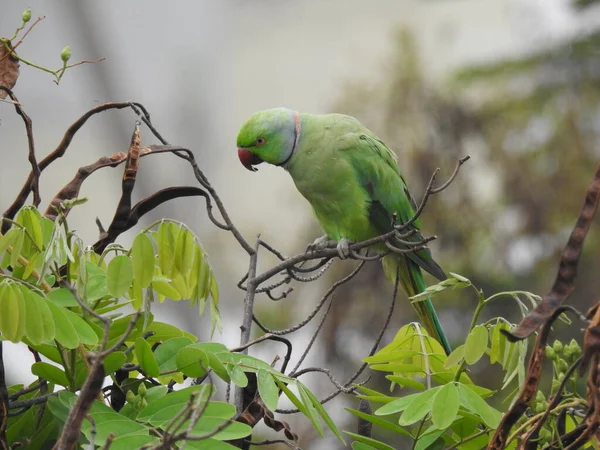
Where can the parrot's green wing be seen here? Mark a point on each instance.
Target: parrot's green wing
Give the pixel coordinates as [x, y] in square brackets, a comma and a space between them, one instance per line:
[376, 169]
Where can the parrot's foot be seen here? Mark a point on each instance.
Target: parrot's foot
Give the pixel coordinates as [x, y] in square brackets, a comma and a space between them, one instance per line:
[319, 244]
[343, 248]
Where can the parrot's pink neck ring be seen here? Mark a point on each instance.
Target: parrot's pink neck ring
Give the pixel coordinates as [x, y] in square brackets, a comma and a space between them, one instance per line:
[296, 138]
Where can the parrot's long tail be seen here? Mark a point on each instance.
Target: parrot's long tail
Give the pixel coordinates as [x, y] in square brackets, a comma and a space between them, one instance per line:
[411, 280]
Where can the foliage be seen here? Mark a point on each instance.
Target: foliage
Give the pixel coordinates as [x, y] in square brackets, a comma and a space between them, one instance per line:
[449, 409]
[55, 294]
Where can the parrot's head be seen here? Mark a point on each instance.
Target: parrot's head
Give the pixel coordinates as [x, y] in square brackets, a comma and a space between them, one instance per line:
[269, 136]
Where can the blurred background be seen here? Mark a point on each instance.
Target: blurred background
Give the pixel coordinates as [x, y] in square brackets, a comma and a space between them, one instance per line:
[513, 83]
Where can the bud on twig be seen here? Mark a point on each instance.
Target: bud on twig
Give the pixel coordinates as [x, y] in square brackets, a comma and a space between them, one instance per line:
[65, 55]
[26, 17]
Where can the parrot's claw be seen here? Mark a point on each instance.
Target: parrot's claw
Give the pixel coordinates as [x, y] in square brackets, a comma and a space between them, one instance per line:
[318, 244]
[343, 248]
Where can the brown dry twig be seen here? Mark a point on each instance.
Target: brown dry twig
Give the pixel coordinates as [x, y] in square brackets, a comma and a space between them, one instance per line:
[544, 315]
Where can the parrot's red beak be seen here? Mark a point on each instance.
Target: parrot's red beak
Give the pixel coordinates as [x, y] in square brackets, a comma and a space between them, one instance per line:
[248, 159]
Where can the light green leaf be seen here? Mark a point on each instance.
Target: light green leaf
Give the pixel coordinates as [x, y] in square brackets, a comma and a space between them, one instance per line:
[311, 412]
[379, 422]
[237, 375]
[185, 247]
[142, 258]
[119, 275]
[12, 312]
[267, 389]
[62, 297]
[292, 397]
[445, 406]
[473, 402]
[368, 441]
[146, 357]
[66, 334]
[455, 358]
[316, 403]
[476, 344]
[418, 407]
[96, 286]
[165, 241]
[406, 382]
[86, 334]
[428, 438]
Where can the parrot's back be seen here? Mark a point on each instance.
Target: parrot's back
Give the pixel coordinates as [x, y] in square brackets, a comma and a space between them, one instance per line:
[352, 181]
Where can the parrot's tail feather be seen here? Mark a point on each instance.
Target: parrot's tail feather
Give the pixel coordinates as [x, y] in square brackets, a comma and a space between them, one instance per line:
[411, 280]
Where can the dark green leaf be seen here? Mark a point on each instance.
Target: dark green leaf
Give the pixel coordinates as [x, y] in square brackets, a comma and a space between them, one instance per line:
[49, 373]
[192, 361]
[166, 352]
[180, 397]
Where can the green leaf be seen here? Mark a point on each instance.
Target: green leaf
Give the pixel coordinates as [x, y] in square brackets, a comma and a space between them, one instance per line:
[400, 404]
[165, 289]
[31, 219]
[114, 362]
[62, 297]
[8, 239]
[418, 407]
[214, 409]
[476, 344]
[119, 275]
[473, 402]
[498, 343]
[209, 444]
[12, 312]
[85, 332]
[166, 353]
[49, 373]
[165, 241]
[455, 358]
[142, 258]
[146, 357]
[267, 389]
[237, 375]
[192, 361]
[362, 446]
[292, 397]
[406, 382]
[379, 422]
[39, 326]
[180, 397]
[129, 442]
[428, 438]
[96, 286]
[163, 331]
[184, 251]
[65, 332]
[399, 368]
[311, 412]
[321, 410]
[17, 247]
[368, 441]
[445, 406]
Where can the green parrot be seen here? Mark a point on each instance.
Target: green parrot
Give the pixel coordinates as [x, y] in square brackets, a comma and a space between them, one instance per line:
[352, 181]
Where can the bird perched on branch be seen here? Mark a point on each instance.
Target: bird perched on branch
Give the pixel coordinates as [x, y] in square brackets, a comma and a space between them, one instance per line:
[352, 181]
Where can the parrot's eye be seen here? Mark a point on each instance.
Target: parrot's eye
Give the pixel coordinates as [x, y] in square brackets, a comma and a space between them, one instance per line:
[260, 141]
